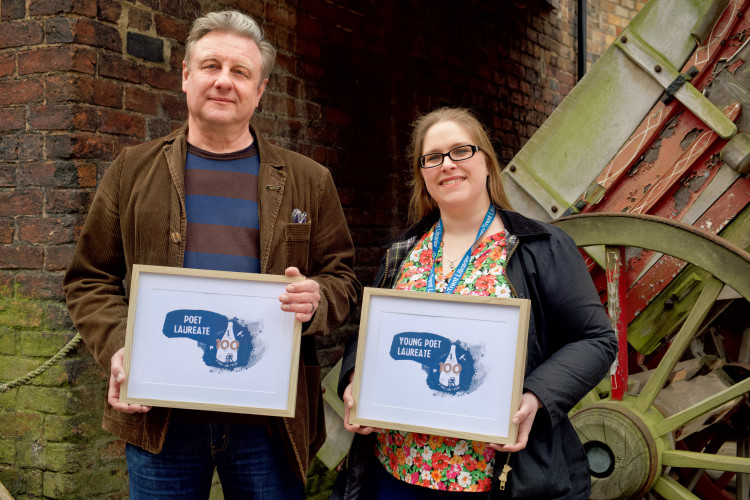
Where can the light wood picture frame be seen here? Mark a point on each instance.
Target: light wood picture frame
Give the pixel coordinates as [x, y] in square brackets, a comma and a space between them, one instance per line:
[442, 364]
[210, 340]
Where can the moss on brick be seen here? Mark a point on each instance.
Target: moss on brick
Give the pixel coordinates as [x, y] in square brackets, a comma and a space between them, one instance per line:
[40, 454]
[86, 396]
[46, 399]
[110, 449]
[54, 376]
[72, 428]
[105, 480]
[41, 343]
[21, 314]
[7, 452]
[14, 368]
[82, 370]
[25, 425]
[57, 317]
[29, 484]
[64, 373]
[7, 342]
[56, 485]
[95, 483]
[22, 483]
[8, 399]
[28, 453]
[62, 457]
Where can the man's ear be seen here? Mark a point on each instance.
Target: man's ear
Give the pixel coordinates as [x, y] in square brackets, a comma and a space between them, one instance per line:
[261, 89]
[184, 76]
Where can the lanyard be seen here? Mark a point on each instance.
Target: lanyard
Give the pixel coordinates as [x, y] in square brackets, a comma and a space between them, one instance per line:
[458, 273]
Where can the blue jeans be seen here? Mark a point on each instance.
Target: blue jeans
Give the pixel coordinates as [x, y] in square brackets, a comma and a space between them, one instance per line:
[250, 462]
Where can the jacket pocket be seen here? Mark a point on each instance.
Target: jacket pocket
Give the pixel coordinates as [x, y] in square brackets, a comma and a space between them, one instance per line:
[546, 467]
[297, 238]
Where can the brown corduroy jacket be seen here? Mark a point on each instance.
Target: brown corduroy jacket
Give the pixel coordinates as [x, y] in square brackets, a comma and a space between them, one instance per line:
[138, 217]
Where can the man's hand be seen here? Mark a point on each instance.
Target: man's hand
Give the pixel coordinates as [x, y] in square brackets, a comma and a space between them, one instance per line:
[525, 418]
[301, 297]
[116, 377]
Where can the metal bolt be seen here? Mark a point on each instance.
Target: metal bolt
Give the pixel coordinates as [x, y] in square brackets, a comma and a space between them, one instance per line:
[624, 39]
[657, 68]
[512, 168]
[670, 302]
[554, 209]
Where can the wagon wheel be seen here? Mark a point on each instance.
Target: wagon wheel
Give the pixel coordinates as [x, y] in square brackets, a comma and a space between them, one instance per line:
[630, 444]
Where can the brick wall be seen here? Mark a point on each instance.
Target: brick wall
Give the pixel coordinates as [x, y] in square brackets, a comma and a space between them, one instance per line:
[78, 81]
[81, 79]
[606, 20]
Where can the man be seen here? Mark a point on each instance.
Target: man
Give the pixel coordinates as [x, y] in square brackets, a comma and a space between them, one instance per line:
[215, 194]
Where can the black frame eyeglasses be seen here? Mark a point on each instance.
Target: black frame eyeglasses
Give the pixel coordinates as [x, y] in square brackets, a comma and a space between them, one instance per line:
[459, 153]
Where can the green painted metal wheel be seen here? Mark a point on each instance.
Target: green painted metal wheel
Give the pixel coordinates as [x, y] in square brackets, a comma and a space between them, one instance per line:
[630, 443]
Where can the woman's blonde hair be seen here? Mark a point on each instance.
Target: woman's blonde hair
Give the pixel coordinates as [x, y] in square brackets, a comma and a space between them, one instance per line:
[421, 203]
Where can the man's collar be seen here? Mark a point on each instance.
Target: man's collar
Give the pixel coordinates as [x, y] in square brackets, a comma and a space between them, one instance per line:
[266, 150]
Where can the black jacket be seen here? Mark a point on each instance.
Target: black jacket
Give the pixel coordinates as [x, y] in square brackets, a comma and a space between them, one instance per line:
[571, 346]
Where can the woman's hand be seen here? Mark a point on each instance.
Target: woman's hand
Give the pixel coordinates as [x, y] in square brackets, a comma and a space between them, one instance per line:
[348, 404]
[116, 377]
[301, 297]
[524, 417]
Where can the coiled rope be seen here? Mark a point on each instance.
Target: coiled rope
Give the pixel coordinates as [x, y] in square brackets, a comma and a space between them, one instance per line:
[44, 367]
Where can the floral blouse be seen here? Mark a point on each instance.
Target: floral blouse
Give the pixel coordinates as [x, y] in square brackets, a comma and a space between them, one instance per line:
[437, 462]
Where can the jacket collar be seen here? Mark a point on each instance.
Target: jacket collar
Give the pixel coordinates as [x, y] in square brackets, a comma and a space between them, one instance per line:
[521, 226]
[266, 150]
[514, 223]
[175, 150]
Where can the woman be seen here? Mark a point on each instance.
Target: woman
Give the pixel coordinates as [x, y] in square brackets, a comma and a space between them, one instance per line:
[463, 220]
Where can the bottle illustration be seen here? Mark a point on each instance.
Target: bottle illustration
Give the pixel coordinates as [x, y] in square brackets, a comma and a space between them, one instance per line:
[225, 353]
[450, 370]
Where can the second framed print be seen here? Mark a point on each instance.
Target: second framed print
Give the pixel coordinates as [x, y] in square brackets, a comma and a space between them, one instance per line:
[443, 364]
[210, 340]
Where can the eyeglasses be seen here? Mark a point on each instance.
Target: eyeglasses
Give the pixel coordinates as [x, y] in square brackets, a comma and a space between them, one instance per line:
[459, 153]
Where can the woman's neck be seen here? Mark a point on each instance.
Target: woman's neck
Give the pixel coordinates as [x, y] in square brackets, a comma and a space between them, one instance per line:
[460, 234]
[461, 226]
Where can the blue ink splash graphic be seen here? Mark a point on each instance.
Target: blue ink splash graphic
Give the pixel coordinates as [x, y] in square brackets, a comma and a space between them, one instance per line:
[451, 367]
[227, 344]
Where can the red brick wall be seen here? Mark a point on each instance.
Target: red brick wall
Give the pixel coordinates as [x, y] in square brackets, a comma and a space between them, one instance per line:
[606, 20]
[81, 79]
[71, 96]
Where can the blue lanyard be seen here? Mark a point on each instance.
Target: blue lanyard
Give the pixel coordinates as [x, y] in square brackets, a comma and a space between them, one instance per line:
[458, 273]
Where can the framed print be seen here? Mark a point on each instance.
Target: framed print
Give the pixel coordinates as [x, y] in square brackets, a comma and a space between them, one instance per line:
[443, 364]
[210, 340]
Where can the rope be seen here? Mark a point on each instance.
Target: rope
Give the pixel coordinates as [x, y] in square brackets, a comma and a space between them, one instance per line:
[43, 368]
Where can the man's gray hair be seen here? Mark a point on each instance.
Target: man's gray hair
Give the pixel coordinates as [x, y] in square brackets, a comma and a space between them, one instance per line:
[231, 21]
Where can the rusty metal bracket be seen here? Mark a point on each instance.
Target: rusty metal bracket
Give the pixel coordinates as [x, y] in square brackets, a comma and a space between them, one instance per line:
[659, 68]
[677, 83]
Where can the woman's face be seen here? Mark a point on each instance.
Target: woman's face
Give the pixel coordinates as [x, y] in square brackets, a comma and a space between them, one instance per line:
[456, 186]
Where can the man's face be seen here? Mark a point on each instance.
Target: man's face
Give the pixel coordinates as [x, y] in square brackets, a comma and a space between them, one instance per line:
[222, 81]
